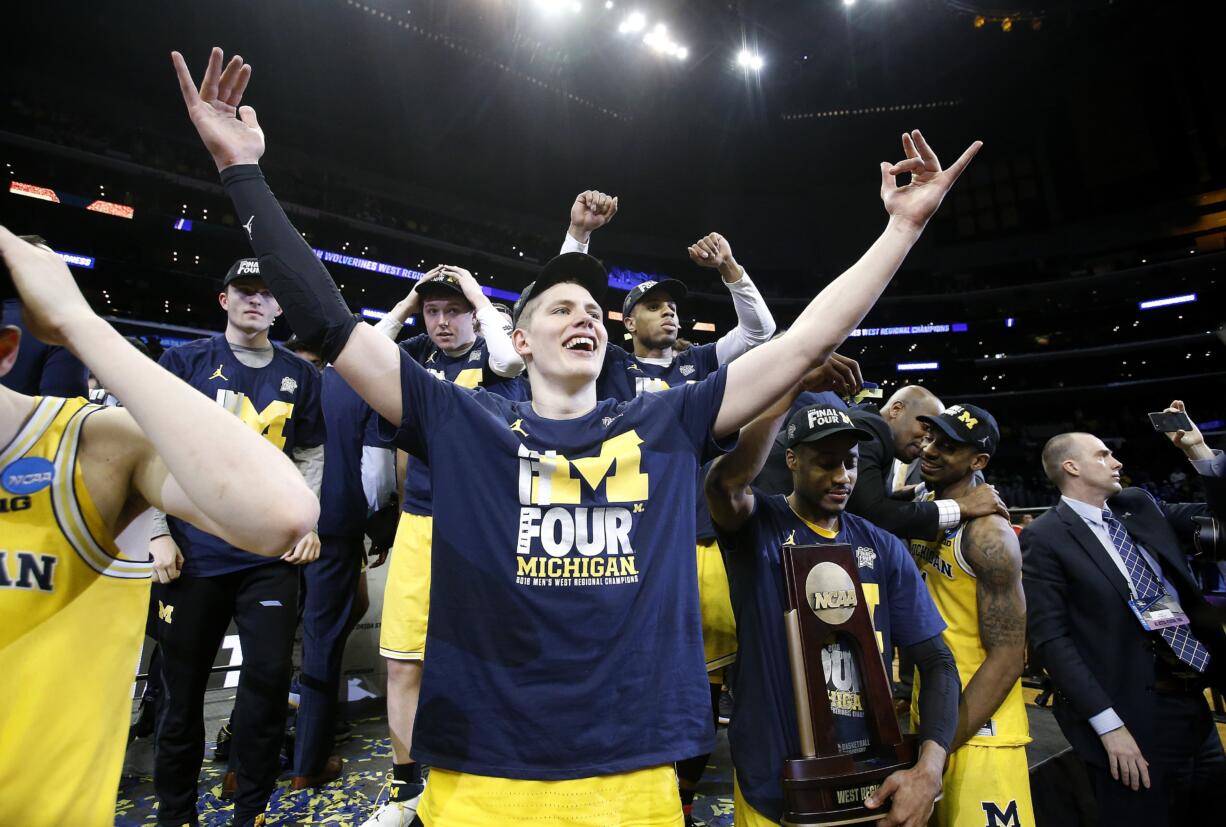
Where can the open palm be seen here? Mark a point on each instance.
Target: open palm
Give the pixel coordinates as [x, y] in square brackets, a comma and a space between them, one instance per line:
[916, 202]
[230, 132]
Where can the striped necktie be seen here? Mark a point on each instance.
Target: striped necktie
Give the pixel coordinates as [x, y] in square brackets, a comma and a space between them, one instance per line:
[1186, 647]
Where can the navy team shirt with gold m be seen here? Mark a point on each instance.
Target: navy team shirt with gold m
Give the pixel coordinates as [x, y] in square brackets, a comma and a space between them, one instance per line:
[564, 629]
[763, 731]
[280, 400]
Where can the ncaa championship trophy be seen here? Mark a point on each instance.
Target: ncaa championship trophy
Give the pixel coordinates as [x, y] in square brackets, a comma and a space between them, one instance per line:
[825, 601]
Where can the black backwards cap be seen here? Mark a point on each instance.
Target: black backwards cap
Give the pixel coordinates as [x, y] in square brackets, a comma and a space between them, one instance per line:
[580, 268]
[968, 425]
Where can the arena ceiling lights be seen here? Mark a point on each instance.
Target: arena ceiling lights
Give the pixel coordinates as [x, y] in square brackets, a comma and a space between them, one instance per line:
[655, 37]
[1169, 300]
[61, 197]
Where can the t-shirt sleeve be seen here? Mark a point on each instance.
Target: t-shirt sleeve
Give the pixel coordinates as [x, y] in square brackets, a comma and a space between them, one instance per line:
[913, 616]
[309, 429]
[696, 406]
[424, 401]
[172, 362]
[706, 359]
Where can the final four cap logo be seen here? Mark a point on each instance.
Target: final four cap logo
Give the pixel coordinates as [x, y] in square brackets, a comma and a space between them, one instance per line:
[818, 422]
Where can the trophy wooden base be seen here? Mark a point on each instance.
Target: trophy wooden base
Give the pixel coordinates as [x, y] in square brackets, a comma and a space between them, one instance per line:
[831, 790]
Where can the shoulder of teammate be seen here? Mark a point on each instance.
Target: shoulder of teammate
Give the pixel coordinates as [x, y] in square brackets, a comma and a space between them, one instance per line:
[181, 357]
[891, 551]
[417, 345]
[991, 547]
[705, 358]
[695, 405]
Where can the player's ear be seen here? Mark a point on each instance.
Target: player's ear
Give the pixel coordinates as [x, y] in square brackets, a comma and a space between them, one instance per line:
[10, 339]
[789, 456]
[519, 340]
[980, 462]
[223, 299]
[628, 322]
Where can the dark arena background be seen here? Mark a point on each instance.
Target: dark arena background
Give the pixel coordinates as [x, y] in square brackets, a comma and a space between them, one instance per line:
[1072, 280]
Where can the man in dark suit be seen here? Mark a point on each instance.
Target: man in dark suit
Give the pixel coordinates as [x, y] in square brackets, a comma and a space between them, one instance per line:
[1126, 635]
[882, 494]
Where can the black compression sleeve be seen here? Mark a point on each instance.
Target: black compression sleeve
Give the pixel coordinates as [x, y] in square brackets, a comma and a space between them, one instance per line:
[940, 690]
[297, 279]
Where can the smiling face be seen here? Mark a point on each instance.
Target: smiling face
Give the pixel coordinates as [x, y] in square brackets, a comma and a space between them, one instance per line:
[561, 334]
[945, 462]
[449, 323]
[653, 321]
[249, 306]
[909, 433]
[824, 472]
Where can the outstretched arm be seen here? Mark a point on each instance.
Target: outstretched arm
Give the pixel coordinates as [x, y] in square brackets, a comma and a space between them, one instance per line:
[993, 552]
[368, 361]
[169, 446]
[766, 372]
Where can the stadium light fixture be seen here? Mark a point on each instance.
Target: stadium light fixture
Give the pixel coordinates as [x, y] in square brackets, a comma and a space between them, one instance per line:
[636, 21]
[1169, 300]
[919, 365]
[749, 60]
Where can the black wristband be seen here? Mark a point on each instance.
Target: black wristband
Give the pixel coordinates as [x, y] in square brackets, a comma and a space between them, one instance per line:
[297, 279]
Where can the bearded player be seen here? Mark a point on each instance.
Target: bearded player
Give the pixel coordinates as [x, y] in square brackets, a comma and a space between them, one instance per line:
[974, 574]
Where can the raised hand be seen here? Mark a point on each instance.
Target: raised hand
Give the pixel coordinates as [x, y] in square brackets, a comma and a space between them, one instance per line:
[50, 300]
[839, 373]
[230, 132]
[591, 211]
[1191, 442]
[916, 202]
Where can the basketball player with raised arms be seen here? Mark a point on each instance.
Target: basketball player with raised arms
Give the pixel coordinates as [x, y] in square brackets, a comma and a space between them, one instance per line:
[73, 599]
[566, 666]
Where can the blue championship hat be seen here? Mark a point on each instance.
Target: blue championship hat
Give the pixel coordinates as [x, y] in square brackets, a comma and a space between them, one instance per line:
[675, 289]
[580, 268]
[968, 425]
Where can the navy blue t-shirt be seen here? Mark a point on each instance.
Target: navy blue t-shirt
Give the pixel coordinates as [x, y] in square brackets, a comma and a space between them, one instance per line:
[763, 731]
[624, 376]
[351, 425]
[565, 638]
[280, 400]
[471, 370]
[41, 369]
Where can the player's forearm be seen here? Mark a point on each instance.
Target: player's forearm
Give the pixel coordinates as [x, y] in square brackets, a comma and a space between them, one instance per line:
[203, 446]
[987, 690]
[743, 464]
[503, 359]
[754, 322]
[296, 278]
[939, 690]
[842, 305]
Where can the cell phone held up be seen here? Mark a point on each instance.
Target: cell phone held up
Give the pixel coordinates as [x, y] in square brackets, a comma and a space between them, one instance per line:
[1168, 422]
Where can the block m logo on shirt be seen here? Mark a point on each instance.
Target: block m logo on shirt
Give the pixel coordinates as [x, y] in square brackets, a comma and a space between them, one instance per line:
[1009, 818]
[269, 423]
[551, 479]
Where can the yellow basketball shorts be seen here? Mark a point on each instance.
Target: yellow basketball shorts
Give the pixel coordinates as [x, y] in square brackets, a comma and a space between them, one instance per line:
[743, 814]
[718, 624]
[406, 597]
[641, 798]
[986, 785]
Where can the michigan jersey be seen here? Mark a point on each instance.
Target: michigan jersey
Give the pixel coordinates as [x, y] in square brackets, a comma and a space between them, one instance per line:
[564, 634]
[951, 582]
[72, 616]
[763, 731]
[471, 370]
[280, 400]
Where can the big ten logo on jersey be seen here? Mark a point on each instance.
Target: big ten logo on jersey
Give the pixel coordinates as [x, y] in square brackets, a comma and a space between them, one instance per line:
[27, 570]
[565, 537]
[997, 818]
[270, 422]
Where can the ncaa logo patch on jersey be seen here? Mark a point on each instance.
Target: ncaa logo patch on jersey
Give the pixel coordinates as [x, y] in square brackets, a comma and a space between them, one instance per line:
[288, 384]
[865, 558]
[475, 356]
[27, 475]
[686, 370]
